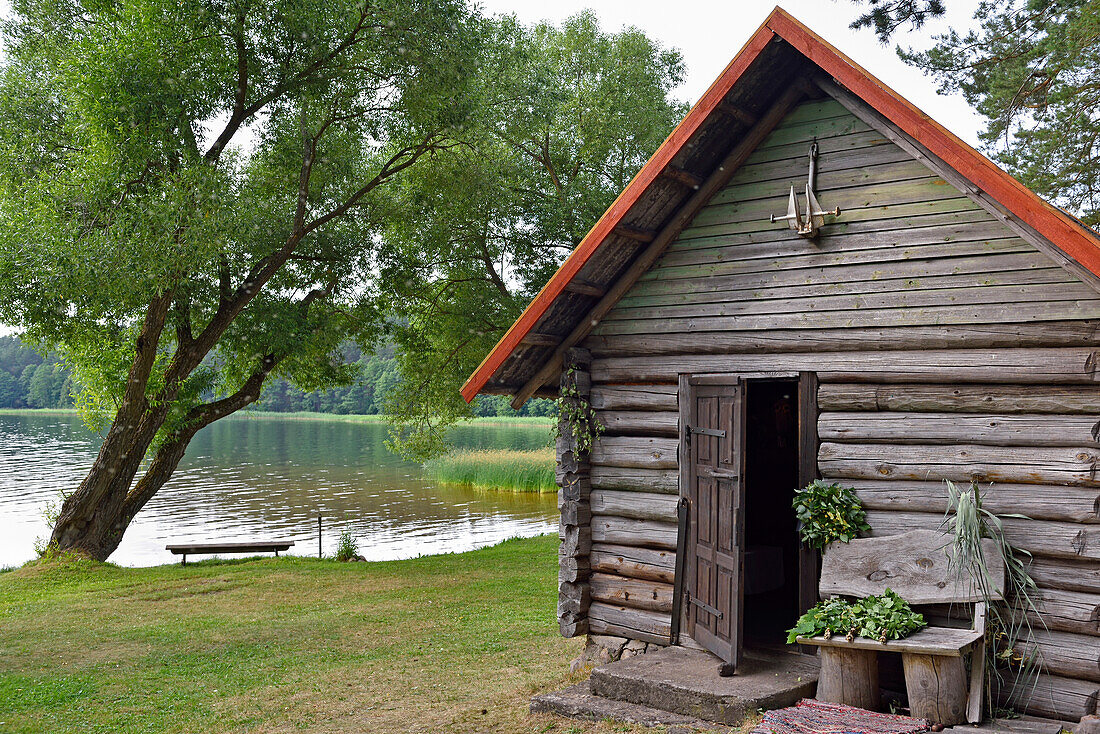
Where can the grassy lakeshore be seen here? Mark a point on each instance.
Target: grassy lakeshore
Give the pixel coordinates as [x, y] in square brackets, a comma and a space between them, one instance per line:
[308, 416]
[454, 643]
[498, 469]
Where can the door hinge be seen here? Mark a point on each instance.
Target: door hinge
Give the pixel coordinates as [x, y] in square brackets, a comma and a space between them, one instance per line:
[689, 430]
[706, 607]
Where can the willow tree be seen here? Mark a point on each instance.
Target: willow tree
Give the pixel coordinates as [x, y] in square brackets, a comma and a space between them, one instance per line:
[190, 194]
[567, 115]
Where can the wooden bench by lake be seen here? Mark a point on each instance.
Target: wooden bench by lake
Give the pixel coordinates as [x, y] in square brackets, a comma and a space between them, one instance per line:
[250, 547]
[915, 565]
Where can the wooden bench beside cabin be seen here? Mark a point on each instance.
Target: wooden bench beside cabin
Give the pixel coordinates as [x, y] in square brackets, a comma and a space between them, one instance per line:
[917, 566]
[249, 547]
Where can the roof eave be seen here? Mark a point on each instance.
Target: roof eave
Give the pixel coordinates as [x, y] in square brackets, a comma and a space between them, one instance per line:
[1055, 225]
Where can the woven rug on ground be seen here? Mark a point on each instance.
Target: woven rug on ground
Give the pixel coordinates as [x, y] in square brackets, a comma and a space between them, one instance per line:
[818, 717]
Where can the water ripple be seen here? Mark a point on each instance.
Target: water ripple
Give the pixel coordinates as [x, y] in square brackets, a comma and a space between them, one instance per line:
[271, 478]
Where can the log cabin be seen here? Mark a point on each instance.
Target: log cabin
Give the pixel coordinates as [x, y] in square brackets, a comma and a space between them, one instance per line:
[815, 279]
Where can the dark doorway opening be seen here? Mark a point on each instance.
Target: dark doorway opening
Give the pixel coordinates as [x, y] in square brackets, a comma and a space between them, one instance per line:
[771, 539]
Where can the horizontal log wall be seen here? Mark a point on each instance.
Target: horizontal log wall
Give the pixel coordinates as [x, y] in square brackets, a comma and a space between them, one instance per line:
[1034, 451]
[1052, 696]
[946, 347]
[894, 443]
[635, 490]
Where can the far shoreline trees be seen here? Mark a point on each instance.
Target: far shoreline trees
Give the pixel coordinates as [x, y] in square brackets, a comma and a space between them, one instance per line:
[30, 381]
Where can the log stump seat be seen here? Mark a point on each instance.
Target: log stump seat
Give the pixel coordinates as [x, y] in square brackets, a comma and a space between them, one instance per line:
[917, 566]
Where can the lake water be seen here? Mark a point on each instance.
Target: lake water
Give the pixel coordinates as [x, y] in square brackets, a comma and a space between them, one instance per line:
[270, 478]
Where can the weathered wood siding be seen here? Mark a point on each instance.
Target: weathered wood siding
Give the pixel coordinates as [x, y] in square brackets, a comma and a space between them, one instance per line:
[946, 347]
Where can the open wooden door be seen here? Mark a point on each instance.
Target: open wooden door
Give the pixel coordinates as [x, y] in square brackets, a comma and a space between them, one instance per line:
[712, 478]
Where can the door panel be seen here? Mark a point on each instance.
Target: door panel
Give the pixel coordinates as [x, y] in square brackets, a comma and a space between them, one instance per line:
[712, 458]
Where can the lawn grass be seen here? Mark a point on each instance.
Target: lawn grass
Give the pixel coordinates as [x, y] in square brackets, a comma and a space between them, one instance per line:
[498, 469]
[454, 643]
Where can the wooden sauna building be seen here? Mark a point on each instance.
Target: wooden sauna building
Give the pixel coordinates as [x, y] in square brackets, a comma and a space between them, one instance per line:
[811, 278]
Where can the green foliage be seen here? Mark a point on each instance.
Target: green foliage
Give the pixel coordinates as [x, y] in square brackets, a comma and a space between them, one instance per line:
[29, 380]
[883, 617]
[576, 414]
[886, 16]
[46, 551]
[566, 117]
[373, 376]
[509, 470]
[191, 194]
[50, 511]
[485, 406]
[347, 549]
[1008, 619]
[828, 512]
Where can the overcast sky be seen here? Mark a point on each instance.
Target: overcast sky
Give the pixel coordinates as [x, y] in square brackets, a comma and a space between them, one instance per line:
[710, 32]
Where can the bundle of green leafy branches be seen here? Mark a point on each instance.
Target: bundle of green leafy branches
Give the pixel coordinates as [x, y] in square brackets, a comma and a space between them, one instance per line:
[828, 512]
[883, 617]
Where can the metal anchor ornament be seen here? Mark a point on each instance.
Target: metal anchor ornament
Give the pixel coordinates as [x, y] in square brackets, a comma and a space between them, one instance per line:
[815, 216]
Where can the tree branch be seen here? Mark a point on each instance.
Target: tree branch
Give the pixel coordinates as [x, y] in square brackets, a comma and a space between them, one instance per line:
[168, 456]
[241, 112]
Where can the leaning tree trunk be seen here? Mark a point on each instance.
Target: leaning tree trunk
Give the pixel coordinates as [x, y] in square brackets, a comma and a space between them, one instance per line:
[94, 518]
[88, 521]
[91, 519]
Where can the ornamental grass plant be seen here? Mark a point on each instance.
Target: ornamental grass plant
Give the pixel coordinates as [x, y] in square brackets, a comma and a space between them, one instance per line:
[1017, 664]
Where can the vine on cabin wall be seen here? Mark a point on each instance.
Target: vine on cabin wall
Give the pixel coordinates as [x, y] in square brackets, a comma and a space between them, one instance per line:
[576, 411]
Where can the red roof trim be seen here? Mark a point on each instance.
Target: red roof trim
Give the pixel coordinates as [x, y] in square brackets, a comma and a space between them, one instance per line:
[1049, 221]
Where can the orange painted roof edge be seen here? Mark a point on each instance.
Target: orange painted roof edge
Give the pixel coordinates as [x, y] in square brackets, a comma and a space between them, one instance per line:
[1051, 222]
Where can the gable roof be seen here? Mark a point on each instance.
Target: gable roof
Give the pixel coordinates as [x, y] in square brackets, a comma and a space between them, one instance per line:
[779, 57]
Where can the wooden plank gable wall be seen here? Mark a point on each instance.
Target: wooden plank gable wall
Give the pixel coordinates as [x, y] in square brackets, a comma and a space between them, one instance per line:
[947, 347]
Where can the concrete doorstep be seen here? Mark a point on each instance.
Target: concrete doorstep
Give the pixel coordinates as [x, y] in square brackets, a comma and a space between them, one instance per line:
[578, 702]
[685, 685]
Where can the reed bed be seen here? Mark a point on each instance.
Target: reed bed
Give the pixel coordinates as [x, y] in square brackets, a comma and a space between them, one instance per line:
[501, 469]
